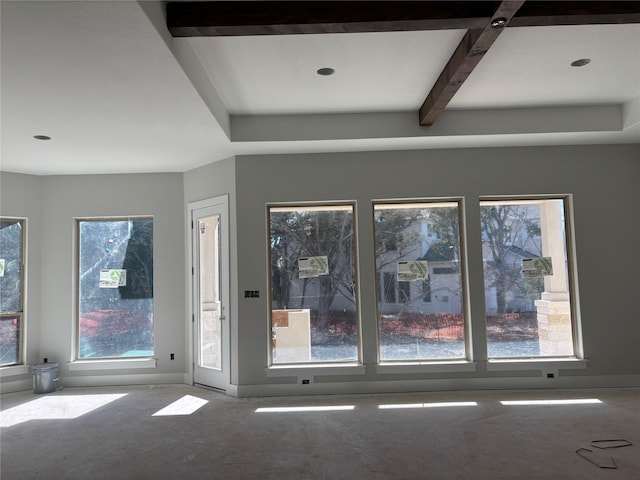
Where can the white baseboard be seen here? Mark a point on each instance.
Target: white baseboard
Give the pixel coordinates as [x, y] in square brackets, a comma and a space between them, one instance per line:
[435, 385]
[365, 387]
[118, 380]
[16, 385]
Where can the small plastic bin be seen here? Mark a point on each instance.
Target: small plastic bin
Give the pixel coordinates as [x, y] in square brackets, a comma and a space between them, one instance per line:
[45, 377]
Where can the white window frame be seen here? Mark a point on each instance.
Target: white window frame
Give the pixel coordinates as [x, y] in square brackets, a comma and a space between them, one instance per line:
[102, 363]
[18, 367]
[549, 364]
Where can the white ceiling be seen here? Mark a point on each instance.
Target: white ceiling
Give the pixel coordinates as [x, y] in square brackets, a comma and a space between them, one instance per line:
[118, 94]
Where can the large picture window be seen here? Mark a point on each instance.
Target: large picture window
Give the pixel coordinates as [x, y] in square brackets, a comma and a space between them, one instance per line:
[526, 276]
[12, 241]
[420, 298]
[313, 284]
[115, 288]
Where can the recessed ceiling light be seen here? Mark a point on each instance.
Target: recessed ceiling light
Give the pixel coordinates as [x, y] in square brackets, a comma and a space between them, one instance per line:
[581, 62]
[42, 137]
[498, 23]
[325, 72]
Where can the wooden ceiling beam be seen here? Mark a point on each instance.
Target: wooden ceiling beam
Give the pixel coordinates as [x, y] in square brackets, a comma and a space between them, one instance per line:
[241, 18]
[538, 13]
[465, 58]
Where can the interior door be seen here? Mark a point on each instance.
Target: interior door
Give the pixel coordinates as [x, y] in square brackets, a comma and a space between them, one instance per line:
[210, 291]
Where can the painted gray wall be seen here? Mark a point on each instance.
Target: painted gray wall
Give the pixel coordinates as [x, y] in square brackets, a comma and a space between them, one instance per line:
[68, 197]
[52, 204]
[201, 184]
[603, 181]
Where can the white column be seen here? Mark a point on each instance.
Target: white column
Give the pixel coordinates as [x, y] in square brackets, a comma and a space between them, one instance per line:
[554, 308]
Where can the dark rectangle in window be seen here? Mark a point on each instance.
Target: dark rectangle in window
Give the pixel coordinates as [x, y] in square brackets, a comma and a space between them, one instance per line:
[404, 292]
[389, 286]
[444, 271]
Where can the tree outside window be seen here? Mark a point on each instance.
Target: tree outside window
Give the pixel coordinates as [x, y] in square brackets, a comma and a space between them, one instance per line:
[420, 313]
[313, 284]
[517, 234]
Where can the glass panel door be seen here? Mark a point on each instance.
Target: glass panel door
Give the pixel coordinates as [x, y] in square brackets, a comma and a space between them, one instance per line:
[208, 233]
[210, 291]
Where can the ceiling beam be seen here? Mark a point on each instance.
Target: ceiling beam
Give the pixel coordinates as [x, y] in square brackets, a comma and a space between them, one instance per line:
[240, 18]
[243, 18]
[465, 58]
[537, 13]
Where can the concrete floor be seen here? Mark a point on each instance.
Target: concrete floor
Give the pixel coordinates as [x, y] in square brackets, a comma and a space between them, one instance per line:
[111, 433]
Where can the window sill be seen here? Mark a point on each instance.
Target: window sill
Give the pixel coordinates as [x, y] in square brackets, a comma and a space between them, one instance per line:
[87, 365]
[14, 370]
[546, 364]
[425, 367]
[315, 369]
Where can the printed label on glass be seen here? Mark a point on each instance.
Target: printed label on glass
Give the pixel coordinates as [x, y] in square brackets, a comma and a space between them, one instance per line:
[412, 271]
[310, 267]
[113, 278]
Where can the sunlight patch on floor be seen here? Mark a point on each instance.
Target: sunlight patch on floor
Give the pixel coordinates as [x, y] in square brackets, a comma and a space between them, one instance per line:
[59, 407]
[427, 405]
[569, 401]
[184, 406]
[325, 408]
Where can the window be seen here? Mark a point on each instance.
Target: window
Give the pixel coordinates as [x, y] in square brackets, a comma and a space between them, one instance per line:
[313, 284]
[389, 287]
[115, 288]
[12, 241]
[425, 321]
[526, 278]
[404, 291]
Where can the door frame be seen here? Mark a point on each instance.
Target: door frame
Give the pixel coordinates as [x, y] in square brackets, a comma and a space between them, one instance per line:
[192, 297]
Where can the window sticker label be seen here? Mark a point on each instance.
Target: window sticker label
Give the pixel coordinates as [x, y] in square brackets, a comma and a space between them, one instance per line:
[413, 271]
[537, 267]
[113, 278]
[1, 267]
[310, 267]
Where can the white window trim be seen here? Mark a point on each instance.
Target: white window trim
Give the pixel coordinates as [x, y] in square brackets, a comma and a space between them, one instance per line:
[315, 369]
[112, 364]
[425, 367]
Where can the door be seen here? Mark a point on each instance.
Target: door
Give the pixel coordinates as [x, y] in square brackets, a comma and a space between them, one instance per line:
[210, 293]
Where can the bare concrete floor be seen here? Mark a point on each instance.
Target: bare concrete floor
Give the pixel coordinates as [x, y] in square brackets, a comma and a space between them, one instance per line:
[112, 433]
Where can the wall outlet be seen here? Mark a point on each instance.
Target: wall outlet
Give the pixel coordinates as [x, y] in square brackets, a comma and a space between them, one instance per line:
[172, 356]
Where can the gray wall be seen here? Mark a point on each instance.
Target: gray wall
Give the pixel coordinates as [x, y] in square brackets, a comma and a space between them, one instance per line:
[204, 183]
[603, 180]
[52, 203]
[604, 183]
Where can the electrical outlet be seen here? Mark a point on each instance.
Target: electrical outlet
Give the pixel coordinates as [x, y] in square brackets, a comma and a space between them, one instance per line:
[173, 356]
[306, 381]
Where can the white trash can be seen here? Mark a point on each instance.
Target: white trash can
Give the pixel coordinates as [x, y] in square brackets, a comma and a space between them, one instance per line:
[45, 377]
